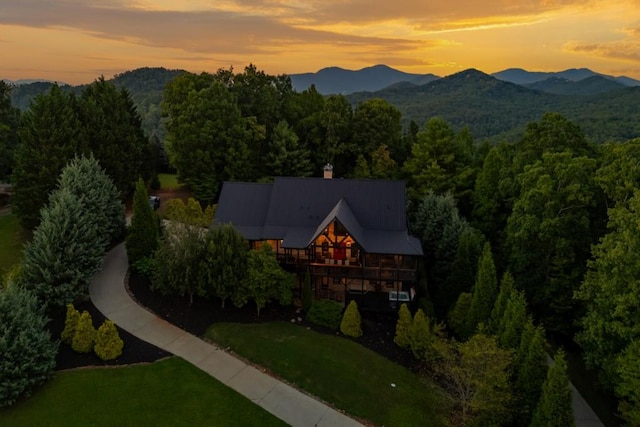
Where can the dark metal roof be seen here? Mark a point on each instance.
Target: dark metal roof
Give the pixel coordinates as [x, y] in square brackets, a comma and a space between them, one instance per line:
[296, 210]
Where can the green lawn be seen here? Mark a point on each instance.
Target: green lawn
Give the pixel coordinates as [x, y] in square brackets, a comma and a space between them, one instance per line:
[11, 240]
[167, 393]
[341, 372]
[169, 181]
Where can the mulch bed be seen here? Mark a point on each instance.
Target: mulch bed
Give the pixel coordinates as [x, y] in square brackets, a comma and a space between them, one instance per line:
[378, 329]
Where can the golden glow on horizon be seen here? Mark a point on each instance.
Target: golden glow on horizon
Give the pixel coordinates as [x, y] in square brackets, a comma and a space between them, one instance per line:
[75, 41]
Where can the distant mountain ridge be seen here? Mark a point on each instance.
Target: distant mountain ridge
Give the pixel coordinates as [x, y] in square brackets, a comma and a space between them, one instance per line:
[524, 77]
[336, 80]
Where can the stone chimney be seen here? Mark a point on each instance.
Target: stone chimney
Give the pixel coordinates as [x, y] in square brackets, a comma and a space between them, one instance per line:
[328, 171]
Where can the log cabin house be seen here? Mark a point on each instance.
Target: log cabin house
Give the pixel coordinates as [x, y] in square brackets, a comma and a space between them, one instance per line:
[350, 234]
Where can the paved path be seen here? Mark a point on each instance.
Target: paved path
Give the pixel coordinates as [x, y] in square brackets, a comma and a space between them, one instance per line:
[109, 295]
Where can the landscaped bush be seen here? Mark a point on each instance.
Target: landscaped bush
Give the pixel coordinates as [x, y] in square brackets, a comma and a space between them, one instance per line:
[108, 342]
[27, 354]
[351, 324]
[85, 335]
[420, 336]
[325, 313]
[402, 327]
[70, 324]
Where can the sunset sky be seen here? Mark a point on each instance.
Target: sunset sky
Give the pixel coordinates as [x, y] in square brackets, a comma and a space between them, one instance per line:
[75, 41]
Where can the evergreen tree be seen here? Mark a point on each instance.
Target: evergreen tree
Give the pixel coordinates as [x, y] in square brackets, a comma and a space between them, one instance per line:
[70, 324]
[85, 336]
[27, 353]
[458, 314]
[484, 293]
[286, 156]
[108, 344]
[464, 267]
[50, 135]
[351, 324]
[64, 253]
[9, 123]
[84, 177]
[113, 130]
[142, 239]
[529, 377]
[513, 321]
[555, 407]
[403, 327]
[499, 308]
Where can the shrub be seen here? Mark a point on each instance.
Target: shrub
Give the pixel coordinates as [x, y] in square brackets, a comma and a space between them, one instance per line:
[70, 324]
[402, 327]
[145, 267]
[108, 343]
[85, 335]
[144, 233]
[325, 313]
[27, 355]
[307, 294]
[351, 324]
[420, 336]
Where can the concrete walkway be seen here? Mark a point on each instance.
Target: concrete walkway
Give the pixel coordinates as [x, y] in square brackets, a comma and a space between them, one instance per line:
[109, 295]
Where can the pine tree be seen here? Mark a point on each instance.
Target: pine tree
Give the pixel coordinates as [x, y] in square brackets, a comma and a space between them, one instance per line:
[351, 324]
[420, 337]
[555, 407]
[458, 314]
[70, 324]
[108, 345]
[307, 294]
[506, 289]
[402, 327]
[27, 353]
[484, 293]
[85, 335]
[144, 232]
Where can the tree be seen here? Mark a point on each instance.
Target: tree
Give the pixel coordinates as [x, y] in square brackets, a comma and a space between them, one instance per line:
[265, 280]
[628, 387]
[64, 253]
[464, 267]
[112, 129]
[530, 374]
[70, 324]
[477, 372]
[27, 353]
[50, 135]
[555, 407]
[549, 233]
[286, 157]
[513, 320]
[420, 336]
[84, 177]
[440, 161]
[332, 140]
[438, 225]
[484, 292]
[9, 123]
[499, 308]
[85, 336]
[142, 239]
[226, 253]
[403, 326]
[179, 264]
[351, 322]
[610, 292]
[382, 165]
[108, 345]
[458, 313]
[376, 122]
[207, 137]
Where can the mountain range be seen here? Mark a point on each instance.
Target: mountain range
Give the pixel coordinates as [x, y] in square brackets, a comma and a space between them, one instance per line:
[606, 108]
[335, 80]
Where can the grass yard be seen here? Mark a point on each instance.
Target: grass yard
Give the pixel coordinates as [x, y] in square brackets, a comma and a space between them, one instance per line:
[341, 372]
[170, 392]
[169, 181]
[11, 241]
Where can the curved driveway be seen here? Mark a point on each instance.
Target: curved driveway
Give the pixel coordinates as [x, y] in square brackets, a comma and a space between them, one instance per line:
[109, 295]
